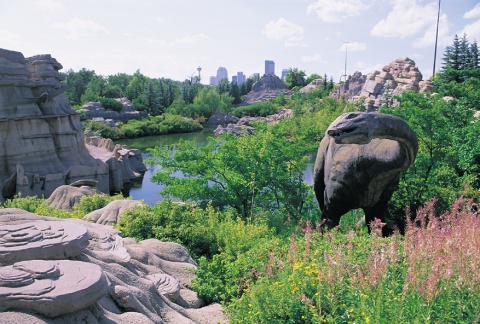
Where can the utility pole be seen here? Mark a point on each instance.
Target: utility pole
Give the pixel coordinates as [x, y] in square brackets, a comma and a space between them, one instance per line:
[436, 39]
[345, 75]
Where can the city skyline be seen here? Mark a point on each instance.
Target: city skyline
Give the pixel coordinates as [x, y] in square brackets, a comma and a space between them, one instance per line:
[171, 39]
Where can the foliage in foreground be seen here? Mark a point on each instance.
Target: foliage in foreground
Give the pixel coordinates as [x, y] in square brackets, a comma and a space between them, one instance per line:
[39, 206]
[429, 275]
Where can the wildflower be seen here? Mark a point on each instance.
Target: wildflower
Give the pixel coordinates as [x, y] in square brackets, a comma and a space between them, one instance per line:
[367, 319]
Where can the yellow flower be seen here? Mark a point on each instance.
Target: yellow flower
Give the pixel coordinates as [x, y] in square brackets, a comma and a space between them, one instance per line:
[316, 294]
[367, 319]
[249, 305]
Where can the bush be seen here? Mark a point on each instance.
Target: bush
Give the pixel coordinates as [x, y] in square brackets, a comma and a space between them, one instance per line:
[185, 224]
[109, 103]
[262, 109]
[29, 204]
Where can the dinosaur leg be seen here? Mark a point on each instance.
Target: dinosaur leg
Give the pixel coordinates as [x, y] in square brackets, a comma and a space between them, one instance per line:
[378, 211]
[332, 213]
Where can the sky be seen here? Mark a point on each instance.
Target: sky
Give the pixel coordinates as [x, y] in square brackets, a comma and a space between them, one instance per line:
[172, 38]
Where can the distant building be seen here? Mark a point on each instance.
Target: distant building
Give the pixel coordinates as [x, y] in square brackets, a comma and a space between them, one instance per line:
[221, 74]
[284, 74]
[234, 79]
[241, 78]
[269, 67]
[213, 80]
[256, 76]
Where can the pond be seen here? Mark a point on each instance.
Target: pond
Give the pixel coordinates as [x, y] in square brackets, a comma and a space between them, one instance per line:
[150, 192]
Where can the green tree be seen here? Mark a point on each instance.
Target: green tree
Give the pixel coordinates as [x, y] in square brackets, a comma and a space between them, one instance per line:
[136, 86]
[258, 171]
[94, 89]
[295, 78]
[446, 134]
[208, 101]
[81, 80]
[313, 77]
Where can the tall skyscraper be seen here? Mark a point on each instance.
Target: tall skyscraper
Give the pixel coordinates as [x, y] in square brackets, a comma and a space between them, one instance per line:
[269, 67]
[284, 74]
[221, 74]
[240, 78]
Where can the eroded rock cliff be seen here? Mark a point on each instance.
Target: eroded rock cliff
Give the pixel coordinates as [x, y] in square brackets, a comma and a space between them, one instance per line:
[41, 138]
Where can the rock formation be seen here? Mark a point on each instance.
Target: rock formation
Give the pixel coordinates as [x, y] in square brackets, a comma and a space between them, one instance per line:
[244, 124]
[124, 164]
[378, 87]
[95, 111]
[91, 274]
[269, 86]
[311, 86]
[41, 138]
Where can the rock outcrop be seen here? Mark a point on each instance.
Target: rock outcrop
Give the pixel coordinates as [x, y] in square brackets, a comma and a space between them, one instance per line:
[41, 137]
[311, 86]
[244, 124]
[378, 87]
[124, 164]
[93, 275]
[268, 87]
[95, 111]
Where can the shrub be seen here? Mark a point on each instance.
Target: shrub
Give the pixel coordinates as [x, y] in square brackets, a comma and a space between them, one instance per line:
[262, 109]
[29, 204]
[109, 103]
[186, 224]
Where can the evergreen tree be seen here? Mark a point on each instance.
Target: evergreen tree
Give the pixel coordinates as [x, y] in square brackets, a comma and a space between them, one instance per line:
[235, 93]
[474, 59]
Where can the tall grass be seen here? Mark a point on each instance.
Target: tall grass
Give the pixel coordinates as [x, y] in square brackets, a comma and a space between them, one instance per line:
[430, 275]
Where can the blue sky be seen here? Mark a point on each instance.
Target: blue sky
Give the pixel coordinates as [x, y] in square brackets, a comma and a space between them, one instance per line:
[171, 38]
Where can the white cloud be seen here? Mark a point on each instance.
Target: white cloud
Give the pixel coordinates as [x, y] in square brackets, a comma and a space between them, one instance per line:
[473, 13]
[338, 10]
[407, 18]
[353, 47]
[411, 18]
[312, 58]
[191, 39]
[77, 28]
[472, 31]
[428, 38]
[291, 33]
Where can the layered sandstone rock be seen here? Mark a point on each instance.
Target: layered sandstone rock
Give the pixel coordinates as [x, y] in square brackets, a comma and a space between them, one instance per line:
[41, 137]
[108, 279]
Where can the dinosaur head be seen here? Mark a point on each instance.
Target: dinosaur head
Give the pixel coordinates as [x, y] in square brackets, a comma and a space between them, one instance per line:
[352, 128]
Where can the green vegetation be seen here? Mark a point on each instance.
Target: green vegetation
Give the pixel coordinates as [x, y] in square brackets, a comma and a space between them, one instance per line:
[109, 103]
[159, 125]
[39, 206]
[262, 109]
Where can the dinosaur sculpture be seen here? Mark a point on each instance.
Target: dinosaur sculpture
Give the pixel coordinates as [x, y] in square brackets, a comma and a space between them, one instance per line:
[358, 164]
